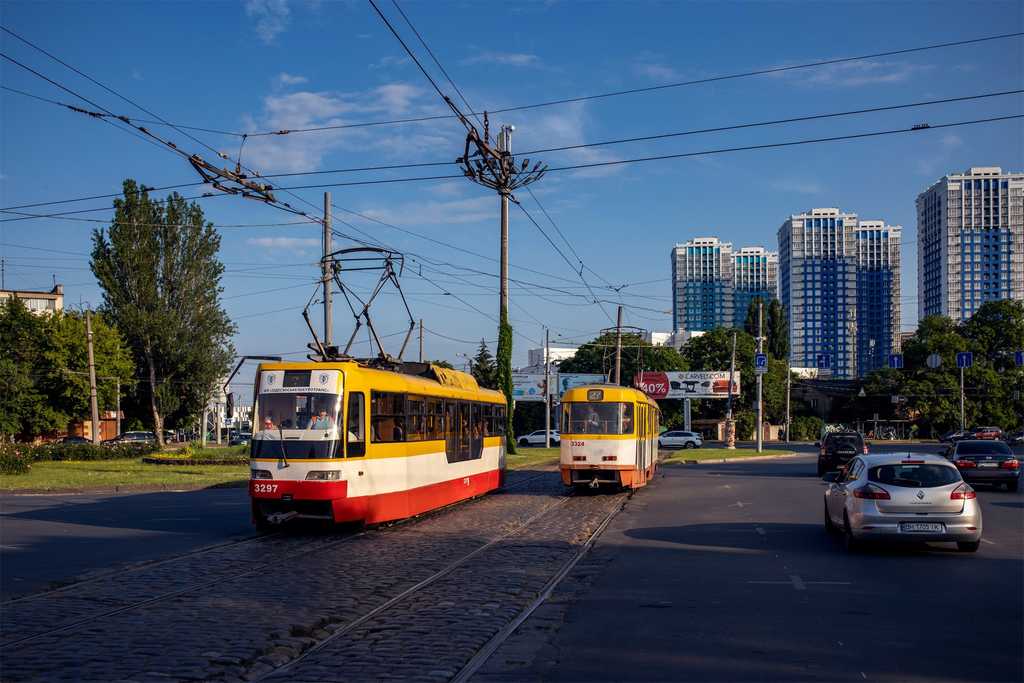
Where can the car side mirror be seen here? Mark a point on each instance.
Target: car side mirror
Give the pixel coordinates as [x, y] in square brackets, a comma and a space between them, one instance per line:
[830, 477]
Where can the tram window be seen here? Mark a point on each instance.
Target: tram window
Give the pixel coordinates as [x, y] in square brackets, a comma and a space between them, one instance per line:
[414, 418]
[434, 419]
[598, 418]
[356, 420]
[388, 417]
[626, 409]
[465, 430]
[476, 444]
[451, 445]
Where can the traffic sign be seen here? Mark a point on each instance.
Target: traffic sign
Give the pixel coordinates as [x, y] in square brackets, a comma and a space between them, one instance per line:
[760, 363]
[964, 359]
[934, 360]
[824, 361]
[1018, 358]
[896, 361]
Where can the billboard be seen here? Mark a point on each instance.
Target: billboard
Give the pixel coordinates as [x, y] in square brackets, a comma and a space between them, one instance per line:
[530, 387]
[713, 384]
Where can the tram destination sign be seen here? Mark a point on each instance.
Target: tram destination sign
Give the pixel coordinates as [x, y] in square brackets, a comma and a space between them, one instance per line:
[712, 384]
[299, 381]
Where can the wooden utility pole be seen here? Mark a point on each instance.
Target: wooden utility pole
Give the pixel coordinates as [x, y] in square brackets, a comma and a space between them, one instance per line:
[760, 376]
[93, 402]
[327, 273]
[421, 340]
[789, 381]
[730, 425]
[118, 406]
[618, 347]
[547, 388]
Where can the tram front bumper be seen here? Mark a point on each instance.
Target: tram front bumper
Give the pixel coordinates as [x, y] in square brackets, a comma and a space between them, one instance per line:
[622, 475]
[308, 499]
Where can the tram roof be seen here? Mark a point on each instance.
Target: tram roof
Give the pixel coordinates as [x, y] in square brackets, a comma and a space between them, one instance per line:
[613, 393]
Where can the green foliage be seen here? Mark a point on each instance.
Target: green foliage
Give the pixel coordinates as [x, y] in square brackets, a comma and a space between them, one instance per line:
[484, 368]
[750, 323]
[503, 374]
[746, 423]
[777, 331]
[598, 356]
[89, 451]
[15, 458]
[158, 267]
[805, 428]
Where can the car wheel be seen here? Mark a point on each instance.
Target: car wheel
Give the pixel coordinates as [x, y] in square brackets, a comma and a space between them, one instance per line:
[524, 442]
[1013, 486]
[660, 444]
[830, 528]
[852, 544]
[968, 546]
[690, 444]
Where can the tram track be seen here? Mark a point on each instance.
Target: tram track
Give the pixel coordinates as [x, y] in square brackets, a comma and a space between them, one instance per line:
[287, 554]
[293, 669]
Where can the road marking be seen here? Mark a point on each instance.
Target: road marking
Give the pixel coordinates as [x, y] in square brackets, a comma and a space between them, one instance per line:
[798, 583]
[760, 531]
[175, 519]
[985, 540]
[739, 504]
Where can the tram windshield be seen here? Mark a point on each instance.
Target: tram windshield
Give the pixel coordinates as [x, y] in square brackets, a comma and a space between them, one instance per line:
[597, 418]
[296, 425]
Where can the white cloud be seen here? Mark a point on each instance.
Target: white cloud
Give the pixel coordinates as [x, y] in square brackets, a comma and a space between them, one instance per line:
[272, 17]
[285, 79]
[136, 74]
[518, 59]
[796, 186]
[390, 61]
[949, 141]
[437, 212]
[656, 72]
[283, 242]
[856, 74]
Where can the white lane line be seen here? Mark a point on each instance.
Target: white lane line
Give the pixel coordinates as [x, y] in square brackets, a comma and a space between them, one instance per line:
[175, 519]
[760, 531]
[985, 540]
[798, 583]
[739, 504]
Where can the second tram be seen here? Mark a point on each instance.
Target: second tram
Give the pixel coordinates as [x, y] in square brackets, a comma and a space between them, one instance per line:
[609, 436]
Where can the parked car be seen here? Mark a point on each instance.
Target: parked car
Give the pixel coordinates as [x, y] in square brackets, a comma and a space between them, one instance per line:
[986, 462]
[956, 435]
[988, 433]
[240, 439]
[537, 438]
[132, 437]
[1014, 438]
[838, 448]
[75, 439]
[680, 439]
[902, 497]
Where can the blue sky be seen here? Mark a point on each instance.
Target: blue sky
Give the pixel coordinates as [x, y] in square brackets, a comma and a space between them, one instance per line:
[270, 64]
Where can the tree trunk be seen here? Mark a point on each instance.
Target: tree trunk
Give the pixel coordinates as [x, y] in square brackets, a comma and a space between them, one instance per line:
[158, 420]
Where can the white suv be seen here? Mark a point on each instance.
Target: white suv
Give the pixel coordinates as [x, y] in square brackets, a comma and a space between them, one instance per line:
[537, 438]
[679, 439]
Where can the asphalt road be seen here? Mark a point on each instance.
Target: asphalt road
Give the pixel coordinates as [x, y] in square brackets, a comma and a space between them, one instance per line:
[724, 572]
[49, 539]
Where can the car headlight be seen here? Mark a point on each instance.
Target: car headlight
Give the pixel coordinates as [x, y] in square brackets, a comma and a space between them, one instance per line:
[261, 474]
[323, 475]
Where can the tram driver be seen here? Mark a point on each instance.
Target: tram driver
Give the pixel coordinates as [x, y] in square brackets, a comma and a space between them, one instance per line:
[321, 420]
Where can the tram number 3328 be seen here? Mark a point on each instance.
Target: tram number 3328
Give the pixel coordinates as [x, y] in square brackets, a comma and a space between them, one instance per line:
[264, 488]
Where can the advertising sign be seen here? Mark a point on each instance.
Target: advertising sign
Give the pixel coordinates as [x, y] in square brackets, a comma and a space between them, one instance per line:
[567, 381]
[527, 387]
[713, 384]
[530, 387]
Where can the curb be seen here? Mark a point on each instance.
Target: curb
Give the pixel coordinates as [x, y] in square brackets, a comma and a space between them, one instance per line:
[142, 488]
[753, 457]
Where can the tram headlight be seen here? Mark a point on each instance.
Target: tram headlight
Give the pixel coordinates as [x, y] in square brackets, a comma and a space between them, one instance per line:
[261, 474]
[323, 475]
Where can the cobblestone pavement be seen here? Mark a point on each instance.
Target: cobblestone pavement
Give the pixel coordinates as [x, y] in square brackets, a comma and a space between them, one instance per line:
[245, 610]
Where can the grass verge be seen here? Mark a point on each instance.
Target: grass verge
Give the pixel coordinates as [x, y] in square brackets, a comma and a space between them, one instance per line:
[702, 454]
[74, 475]
[532, 457]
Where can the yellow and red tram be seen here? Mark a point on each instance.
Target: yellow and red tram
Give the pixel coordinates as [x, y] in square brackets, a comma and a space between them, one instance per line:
[609, 436]
[342, 441]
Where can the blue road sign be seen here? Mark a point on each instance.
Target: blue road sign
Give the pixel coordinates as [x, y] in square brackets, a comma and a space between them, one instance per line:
[760, 363]
[1018, 358]
[896, 361]
[964, 359]
[824, 361]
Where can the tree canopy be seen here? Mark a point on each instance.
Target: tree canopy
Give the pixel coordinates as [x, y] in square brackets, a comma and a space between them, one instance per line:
[159, 270]
[485, 370]
[598, 356]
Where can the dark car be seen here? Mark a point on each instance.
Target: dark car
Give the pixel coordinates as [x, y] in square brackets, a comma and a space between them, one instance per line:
[837, 449]
[986, 461]
[132, 437]
[1014, 438]
[75, 439]
[239, 438]
[956, 435]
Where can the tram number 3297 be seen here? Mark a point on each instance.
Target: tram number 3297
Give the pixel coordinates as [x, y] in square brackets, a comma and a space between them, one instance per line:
[264, 488]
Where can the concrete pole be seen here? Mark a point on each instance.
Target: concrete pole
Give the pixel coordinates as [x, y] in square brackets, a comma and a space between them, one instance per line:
[789, 381]
[328, 248]
[962, 420]
[618, 347]
[421, 340]
[686, 414]
[202, 428]
[547, 388]
[760, 377]
[730, 428]
[118, 408]
[93, 402]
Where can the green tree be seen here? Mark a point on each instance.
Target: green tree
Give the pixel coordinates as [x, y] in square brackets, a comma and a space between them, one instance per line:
[158, 267]
[598, 356]
[484, 369]
[503, 375]
[777, 330]
[25, 378]
[750, 323]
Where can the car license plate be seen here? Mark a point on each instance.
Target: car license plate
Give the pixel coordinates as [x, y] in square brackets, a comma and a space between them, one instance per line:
[988, 464]
[920, 526]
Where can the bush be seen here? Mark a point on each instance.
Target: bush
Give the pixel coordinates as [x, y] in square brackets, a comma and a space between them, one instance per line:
[88, 451]
[746, 422]
[15, 458]
[805, 428]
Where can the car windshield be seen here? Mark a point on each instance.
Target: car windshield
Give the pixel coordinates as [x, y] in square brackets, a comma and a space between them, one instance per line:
[845, 441]
[598, 418]
[983, 448]
[923, 476]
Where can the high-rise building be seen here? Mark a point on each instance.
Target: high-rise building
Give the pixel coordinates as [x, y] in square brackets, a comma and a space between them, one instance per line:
[970, 231]
[702, 284]
[755, 276]
[878, 294]
[818, 287]
[712, 285]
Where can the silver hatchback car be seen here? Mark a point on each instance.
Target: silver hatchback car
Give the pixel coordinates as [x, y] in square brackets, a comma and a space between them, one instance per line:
[902, 497]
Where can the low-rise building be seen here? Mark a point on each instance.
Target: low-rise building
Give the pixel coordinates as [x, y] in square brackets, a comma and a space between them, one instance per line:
[39, 303]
